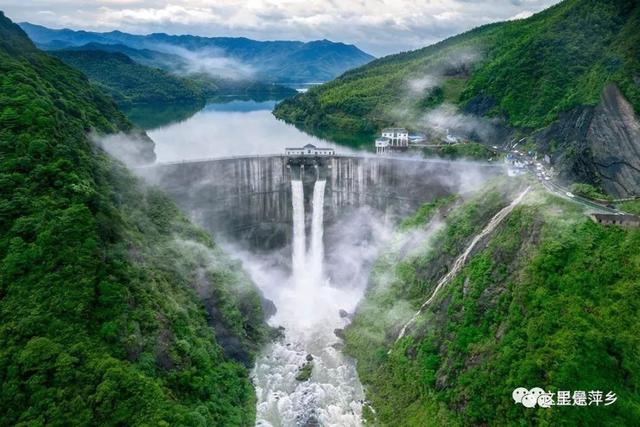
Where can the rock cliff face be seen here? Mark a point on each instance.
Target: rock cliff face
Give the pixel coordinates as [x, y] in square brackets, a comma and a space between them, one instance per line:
[614, 139]
[598, 145]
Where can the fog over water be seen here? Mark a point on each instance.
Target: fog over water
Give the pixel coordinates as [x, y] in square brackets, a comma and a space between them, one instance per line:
[236, 128]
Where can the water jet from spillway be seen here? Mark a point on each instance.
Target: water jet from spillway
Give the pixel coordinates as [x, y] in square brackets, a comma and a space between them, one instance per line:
[298, 258]
[316, 256]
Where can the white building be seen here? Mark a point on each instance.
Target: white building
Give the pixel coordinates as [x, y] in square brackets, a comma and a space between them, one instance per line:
[310, 150]
[398, 137]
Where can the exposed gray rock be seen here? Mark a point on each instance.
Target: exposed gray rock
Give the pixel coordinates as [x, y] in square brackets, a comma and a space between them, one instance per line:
[338, 346]
[268, 307]
[614, 138]
[597, 145]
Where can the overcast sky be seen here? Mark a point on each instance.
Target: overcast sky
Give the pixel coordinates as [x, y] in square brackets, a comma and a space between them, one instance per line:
[377, 26]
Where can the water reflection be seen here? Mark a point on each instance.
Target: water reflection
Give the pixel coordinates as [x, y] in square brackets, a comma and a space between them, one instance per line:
[151, 116]
[233, 128]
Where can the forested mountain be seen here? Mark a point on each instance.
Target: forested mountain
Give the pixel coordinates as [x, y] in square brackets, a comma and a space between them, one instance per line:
[133, 83]
[114, 309]
[129, 82]
[279, 61]
[148, 57]
[566, 79]
[548, 299]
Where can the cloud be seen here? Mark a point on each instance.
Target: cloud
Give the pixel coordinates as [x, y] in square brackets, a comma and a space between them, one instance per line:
[377, 26]
[132, 149]
[449, 120]
[209, 61]
[522, 15]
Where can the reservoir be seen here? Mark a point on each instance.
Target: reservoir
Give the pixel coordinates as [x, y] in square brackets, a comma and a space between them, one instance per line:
[234, 128]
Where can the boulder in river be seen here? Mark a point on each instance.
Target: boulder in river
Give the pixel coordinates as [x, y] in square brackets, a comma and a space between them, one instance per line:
[304, 373]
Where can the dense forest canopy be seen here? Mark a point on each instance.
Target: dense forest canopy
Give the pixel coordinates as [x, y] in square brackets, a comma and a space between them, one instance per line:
[548, 300]
[114, 309]
[129, 82]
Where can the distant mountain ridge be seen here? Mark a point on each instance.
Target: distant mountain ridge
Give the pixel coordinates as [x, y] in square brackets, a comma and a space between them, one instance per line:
[278, 61]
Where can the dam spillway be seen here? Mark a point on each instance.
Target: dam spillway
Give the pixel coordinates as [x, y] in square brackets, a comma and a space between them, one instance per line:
[249, 198]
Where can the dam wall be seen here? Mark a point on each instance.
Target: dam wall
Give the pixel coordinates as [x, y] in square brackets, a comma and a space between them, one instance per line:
[250, 197]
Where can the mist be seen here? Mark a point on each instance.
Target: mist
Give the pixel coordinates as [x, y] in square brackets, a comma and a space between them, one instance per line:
[210, 61]
[310, 312]
[446, 120]
[133, 149]
[311, 309]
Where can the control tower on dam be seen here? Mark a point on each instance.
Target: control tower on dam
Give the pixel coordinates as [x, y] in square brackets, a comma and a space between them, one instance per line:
[250, 197]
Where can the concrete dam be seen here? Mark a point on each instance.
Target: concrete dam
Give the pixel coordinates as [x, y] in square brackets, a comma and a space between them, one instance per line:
[250, 198]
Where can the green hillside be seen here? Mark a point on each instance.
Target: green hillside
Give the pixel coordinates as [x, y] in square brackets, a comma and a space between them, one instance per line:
[525, 72]
[549, 300]
[130, 82]
[114, 310]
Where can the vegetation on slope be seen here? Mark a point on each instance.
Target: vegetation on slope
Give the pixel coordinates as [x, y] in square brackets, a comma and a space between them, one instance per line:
[524, 71]
[363, 100]
[131, 83]
[559, 59]
[114, 310]
[549, 300]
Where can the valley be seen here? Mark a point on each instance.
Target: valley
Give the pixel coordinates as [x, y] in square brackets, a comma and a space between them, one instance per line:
[202, 231]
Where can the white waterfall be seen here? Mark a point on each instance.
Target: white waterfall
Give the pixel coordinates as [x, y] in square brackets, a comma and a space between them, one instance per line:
[308, 309]
[316, 255]
[462, 259]
[299, 238]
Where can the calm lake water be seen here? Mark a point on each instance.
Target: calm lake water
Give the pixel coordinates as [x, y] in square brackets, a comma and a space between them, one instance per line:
[234, 128]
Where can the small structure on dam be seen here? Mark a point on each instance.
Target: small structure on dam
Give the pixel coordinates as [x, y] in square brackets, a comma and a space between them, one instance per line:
[309, 155]
[309, 150]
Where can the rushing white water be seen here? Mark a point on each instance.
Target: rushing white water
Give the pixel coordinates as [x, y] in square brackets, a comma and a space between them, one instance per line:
[316, 257]
[462, 259]
[308, 308]
[298, 258]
